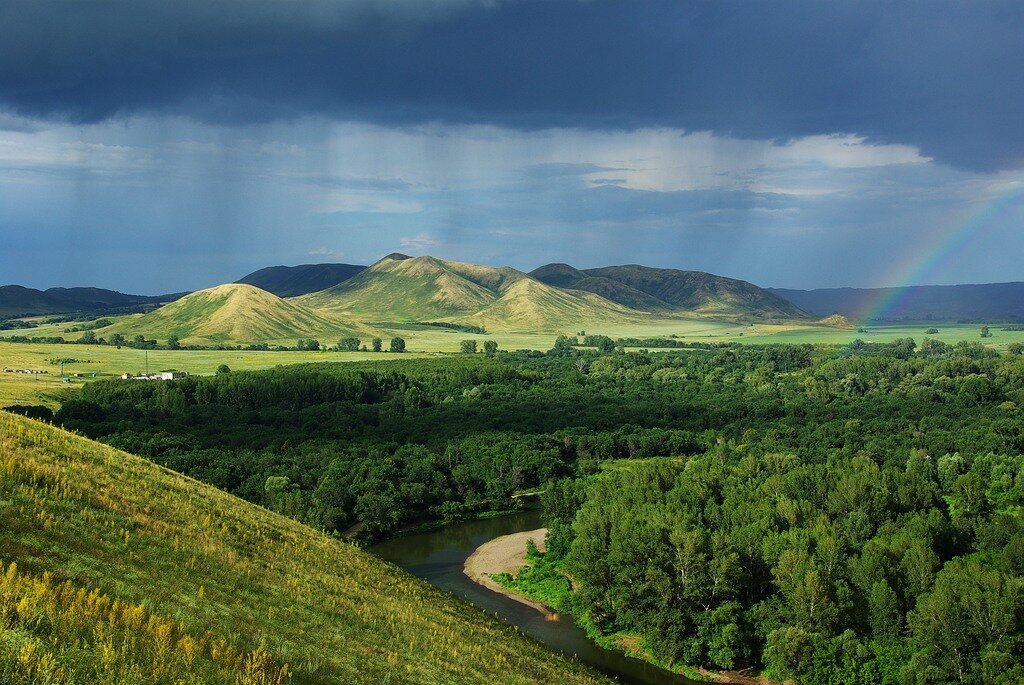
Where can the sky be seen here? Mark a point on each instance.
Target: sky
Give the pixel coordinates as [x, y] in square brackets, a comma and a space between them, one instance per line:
[155, 146]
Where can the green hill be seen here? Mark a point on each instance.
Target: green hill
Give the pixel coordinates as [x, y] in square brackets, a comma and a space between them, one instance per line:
[232, 313]
[114, 570]
[401, 288]
[531, 305]
[672, 291]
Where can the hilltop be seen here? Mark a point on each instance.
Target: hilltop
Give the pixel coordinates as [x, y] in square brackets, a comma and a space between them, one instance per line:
[231, 313]
[291, 281]
[402, 288]
[672, 291]
[113, 567]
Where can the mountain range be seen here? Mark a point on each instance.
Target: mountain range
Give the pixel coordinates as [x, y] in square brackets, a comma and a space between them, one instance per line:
[335, 300]
[987, 302]
[402, 290]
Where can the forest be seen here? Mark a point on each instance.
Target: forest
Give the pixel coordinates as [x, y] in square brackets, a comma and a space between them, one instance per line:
[834, 514]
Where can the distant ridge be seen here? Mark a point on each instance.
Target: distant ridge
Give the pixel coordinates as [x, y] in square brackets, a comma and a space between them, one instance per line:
[969, 303]
[16, 300]
[672, 291]
[291, 281]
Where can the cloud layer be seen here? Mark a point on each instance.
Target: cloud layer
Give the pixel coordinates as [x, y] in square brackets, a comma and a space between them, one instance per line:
[943, 78]
[163, 204]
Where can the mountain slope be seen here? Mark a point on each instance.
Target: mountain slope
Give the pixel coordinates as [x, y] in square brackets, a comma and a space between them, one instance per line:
[291, 281]
[671, 290]
[16, 300]
[115, 570]
[230, 313]
[401, 288]
[970, 302]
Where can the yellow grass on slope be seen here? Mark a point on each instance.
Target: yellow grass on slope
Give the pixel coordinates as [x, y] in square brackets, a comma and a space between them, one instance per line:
[221, 584]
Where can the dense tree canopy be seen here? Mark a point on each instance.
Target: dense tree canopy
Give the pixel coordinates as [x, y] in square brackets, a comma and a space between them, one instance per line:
[834, 514]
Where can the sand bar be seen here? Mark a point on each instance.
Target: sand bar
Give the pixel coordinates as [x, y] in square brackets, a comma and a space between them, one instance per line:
[504, 554]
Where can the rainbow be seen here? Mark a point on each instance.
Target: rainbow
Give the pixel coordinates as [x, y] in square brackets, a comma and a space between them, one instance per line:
[953, 240]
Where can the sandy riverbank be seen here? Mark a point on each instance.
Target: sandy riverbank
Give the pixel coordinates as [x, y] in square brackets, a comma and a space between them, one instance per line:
[505, 554]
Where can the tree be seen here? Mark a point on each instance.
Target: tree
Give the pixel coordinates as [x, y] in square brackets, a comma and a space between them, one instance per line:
[377, 344]
[490, 348]
[88, 338]
[283, 496]
[173, 342]
[117, 340]
[563, 346]
[349, 345]
[468, 347]
[222, 369]
[603, 343]
[969, 625]
[985, 332]
[398, 344]
[884, 610]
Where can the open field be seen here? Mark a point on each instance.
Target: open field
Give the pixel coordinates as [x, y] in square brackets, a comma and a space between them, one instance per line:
[115, 570]
[105, 361]
[948, 333]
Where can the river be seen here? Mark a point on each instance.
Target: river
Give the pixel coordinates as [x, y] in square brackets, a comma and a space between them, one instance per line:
[438, 558]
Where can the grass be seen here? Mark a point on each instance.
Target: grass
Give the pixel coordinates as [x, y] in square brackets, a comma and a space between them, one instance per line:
[118, 571]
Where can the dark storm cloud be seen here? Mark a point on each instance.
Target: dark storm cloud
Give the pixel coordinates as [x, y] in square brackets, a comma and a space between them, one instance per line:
[946, 77]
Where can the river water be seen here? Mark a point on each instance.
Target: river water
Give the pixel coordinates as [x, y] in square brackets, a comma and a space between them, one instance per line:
[438, 557]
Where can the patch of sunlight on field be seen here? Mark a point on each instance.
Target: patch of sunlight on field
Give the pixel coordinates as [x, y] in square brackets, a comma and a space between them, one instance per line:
[947, 333]
[101, 361]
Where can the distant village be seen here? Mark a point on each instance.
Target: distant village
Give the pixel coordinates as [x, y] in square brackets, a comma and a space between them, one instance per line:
[161, 376]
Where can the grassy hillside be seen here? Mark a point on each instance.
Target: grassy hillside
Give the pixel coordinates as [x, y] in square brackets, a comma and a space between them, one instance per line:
[117, 571]
[400, 288]
[672, 290]
[232, 313]
[531, 305]
[291, 281]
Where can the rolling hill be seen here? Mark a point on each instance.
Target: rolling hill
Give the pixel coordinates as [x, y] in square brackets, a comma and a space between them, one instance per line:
[400, 288]
[291, 281]
[232, 313]
[16, 300]
[115, 570]
[986, 302]
[672, 291]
